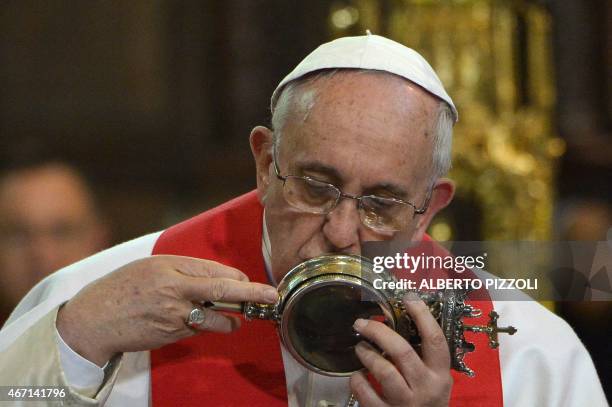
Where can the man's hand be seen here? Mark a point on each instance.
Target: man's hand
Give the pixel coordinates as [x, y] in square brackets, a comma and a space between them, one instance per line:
[143, 305]
[406, 379]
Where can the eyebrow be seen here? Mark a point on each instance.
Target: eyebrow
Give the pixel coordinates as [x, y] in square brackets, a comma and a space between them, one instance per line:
[395, 190]
[317, 166]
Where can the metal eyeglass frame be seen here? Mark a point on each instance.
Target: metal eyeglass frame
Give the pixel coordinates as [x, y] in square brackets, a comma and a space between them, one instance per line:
[340, 194]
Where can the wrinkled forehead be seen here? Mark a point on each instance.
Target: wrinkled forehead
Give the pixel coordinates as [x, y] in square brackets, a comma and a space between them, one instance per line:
[365, 101]
[302, 92]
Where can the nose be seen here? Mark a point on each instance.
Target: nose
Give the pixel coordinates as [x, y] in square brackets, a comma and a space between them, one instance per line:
[341, 228]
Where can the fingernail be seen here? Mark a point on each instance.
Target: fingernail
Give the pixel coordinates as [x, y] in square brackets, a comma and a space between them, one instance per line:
[271, 295]
[360, 324]
[361, 346]
[235, 323]
[411, 297]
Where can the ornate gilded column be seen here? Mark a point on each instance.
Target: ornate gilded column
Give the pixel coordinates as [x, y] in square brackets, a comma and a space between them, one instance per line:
[494, 58]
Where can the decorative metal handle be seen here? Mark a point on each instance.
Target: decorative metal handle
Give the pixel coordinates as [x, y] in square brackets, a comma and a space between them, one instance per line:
[491, 329]
[450, 310]
[249, 310]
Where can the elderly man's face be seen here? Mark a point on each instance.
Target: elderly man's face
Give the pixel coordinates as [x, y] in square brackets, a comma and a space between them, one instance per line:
[367, 133]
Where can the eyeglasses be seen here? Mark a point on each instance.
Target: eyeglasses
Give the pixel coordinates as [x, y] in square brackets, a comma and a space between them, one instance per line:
[384, 215]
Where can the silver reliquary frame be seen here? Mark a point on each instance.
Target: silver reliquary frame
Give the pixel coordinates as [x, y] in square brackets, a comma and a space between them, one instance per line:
[320, 299]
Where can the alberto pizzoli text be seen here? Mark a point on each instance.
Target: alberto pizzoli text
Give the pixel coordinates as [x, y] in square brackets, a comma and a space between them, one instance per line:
[458, 284]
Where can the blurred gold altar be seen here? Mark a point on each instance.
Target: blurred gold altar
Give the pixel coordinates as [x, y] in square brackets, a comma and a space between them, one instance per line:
[495, 58]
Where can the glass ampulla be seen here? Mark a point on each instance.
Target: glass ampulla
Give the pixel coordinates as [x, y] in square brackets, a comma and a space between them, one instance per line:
[320, 299]
[321, 326]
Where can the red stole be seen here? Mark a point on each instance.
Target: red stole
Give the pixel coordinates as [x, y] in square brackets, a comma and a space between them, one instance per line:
[245, 368]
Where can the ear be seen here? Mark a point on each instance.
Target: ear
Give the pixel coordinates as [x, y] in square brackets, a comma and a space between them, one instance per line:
[442, 194]
[261, 140]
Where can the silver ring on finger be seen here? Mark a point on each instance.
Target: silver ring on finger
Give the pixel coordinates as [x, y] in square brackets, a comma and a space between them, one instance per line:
[196, 317]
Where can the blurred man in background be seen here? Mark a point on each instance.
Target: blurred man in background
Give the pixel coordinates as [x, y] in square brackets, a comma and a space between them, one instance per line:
[48, 220]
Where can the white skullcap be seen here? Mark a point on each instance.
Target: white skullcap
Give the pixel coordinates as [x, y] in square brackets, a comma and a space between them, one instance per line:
[371, 52]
